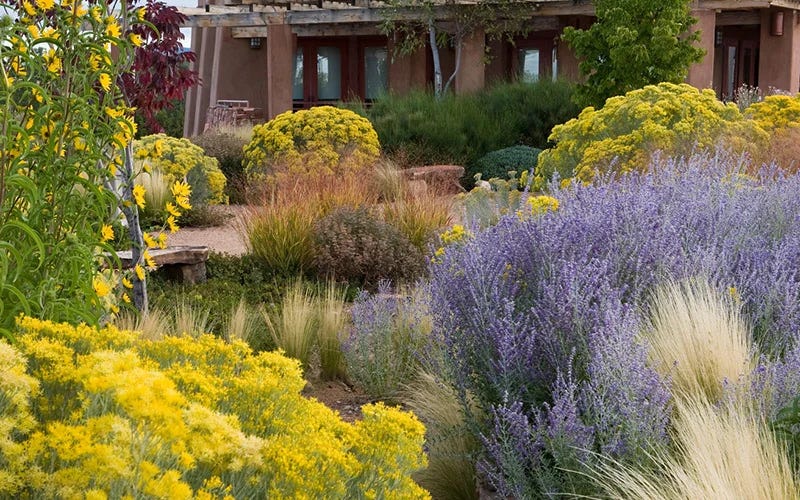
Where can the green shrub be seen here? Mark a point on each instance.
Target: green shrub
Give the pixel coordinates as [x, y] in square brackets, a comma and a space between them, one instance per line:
[419, 129]
[622, 136]
[320, 140]
[227, 146]
[354, 246]
[498, 163]
[170, 119]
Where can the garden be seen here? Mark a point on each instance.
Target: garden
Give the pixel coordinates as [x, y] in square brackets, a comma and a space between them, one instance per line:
[609, 309]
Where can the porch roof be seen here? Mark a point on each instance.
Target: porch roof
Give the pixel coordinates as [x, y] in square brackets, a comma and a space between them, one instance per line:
[261, 13]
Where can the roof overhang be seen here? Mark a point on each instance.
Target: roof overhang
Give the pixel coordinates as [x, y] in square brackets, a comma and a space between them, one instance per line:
[262, 13]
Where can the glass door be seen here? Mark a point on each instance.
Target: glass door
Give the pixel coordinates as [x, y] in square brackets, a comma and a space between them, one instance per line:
[318, 73]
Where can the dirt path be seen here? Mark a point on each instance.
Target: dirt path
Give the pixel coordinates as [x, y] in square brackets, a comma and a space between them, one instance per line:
[223, 239]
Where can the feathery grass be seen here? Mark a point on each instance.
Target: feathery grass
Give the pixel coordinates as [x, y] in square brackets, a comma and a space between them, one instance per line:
[698, 339]
[293, 328]
[450, 474]
[332, 322]
[720, 454]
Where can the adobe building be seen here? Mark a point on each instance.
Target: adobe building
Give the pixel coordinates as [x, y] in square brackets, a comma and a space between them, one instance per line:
[277, 55]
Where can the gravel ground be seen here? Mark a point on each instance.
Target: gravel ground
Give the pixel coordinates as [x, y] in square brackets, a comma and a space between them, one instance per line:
[222, 239]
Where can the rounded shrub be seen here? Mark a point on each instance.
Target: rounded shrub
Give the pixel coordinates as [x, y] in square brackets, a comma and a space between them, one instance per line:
[352, 245]
[179, 159]
[227, 146]
[498, 163]
[775, 112]
[323, 139]
[621, 137]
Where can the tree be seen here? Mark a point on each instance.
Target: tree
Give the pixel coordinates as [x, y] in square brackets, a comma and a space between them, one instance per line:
[435, 23]
[633, 43]
[160, 74]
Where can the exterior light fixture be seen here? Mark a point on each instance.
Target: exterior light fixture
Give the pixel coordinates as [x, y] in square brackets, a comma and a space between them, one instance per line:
[255, 43]
[776, 23]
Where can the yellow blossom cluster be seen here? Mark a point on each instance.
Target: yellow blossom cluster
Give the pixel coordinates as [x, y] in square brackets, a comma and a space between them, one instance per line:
[103, 413]
[320, 140]
[176, 158]
[542, 204]
[622, 136]
[776, 112]
[456, 235]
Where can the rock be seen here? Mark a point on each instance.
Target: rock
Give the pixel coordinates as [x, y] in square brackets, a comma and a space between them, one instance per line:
[442, 179]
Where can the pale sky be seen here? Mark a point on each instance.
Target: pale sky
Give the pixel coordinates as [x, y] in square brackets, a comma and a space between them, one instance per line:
[187, 32]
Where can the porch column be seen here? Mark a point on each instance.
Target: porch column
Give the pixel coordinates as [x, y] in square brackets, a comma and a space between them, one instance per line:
[280, 58]
[202, 99]
[471, 74]
[701, 74]
[779, 54]
[191, 97]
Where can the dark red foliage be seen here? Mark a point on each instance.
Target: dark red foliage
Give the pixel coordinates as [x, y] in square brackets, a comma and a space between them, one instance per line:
[161, 71]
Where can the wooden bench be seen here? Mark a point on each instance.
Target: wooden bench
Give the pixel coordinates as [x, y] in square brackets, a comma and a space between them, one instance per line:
[185, 264]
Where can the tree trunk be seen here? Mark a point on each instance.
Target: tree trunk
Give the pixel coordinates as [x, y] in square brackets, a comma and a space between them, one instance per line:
[131, 212]
[437, 65]
[458, 41]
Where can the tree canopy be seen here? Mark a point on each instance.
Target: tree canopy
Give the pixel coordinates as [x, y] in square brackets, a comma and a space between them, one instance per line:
[633, 43]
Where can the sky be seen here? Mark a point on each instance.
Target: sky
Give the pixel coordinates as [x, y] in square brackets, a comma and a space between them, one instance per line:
[187, 32]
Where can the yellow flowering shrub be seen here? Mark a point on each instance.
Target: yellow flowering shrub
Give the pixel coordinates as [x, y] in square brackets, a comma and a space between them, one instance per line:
[107, 414]
[775, 112]
[322, 139]
[541, 204]
[622, 136]
[175, 158]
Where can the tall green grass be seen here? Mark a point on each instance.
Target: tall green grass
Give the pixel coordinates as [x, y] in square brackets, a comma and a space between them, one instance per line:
[420, 129]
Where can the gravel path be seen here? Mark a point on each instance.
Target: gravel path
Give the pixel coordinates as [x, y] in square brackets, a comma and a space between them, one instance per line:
[223, 239]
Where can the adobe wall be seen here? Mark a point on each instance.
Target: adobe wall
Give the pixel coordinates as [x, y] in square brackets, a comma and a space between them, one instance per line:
[779, 65]
[701, 75]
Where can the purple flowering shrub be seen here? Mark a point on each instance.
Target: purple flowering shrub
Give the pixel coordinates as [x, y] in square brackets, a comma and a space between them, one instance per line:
[540, 318]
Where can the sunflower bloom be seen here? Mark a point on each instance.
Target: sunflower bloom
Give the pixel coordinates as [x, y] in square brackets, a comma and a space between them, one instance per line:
[105, 81]
[106, 233]
[138, 195]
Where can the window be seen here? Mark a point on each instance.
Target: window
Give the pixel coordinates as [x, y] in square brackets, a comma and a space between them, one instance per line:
[329, 74]
[375, 72]
[297, 72]
[529, 65]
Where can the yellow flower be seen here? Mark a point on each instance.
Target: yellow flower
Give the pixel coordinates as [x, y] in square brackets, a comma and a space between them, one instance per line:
[135, 39]
[127, 283]
[148, 260]
[542, 204]
[138, 195]
[33, 29]
[105, 81]
[181, 189]
[126, 298]
[107, 233]
[162, 240]
[172, 209]
[139, 270]
[29, 8]
[44, 4]
[151, 243]
[101, 287]
[52, 61]
[173, 226]
[140, 12]
[112, 28]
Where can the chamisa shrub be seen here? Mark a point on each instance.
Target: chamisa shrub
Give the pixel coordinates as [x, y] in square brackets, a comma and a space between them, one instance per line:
[353, 245]
[322, 139]
[103, 413]
[179, 159]
[622, 136]
[779, 115]
[498, 163]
